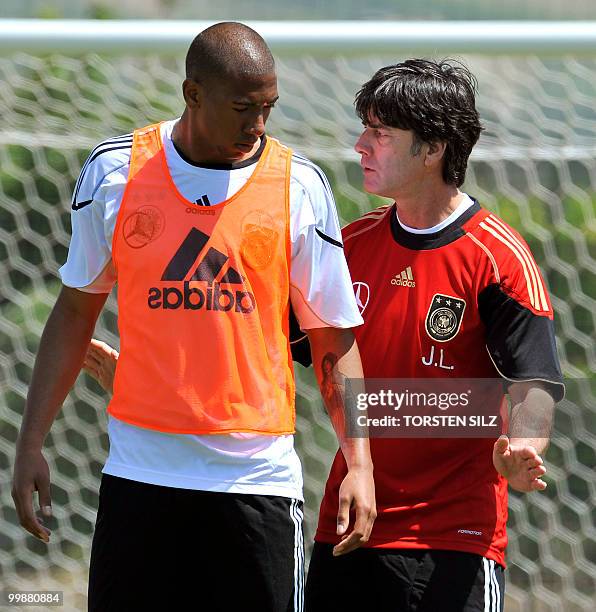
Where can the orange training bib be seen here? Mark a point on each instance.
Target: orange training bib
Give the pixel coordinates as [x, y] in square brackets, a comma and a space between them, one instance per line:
[203, 298]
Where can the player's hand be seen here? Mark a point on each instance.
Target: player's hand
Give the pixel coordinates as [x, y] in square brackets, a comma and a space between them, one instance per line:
[520, 464]
[100, 362]
[357, 492]
[31, 473]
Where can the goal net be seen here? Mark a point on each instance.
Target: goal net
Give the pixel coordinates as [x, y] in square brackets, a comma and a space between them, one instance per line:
[534, 166]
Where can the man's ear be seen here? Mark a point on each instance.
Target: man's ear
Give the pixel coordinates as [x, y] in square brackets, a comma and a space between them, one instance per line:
[192, 92]
[434, 153]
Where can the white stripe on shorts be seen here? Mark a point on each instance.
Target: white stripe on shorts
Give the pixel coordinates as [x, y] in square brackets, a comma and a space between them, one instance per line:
[297, 515]
[487, 595]
[492, 589]
[497, 589]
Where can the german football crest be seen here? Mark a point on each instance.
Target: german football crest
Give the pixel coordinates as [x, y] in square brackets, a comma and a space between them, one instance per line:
[143, 226]
[444, 317]
[259, 239]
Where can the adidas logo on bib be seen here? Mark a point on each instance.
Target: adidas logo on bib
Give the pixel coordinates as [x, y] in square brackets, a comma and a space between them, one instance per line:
[190, 297]
[404, 278]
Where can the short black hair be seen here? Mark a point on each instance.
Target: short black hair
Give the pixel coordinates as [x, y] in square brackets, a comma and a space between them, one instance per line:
[436, 100]
[225, 49]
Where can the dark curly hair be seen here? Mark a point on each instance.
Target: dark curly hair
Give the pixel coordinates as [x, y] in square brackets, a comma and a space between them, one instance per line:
[436, 100]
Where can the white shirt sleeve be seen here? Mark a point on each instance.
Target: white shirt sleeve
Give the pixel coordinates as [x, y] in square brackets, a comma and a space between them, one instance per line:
[95, 204]
[320, 285]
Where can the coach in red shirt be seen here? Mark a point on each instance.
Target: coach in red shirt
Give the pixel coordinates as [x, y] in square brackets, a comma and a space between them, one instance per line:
[446, 290]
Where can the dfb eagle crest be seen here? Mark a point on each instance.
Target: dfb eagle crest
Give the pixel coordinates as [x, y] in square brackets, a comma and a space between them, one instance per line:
[444, 317]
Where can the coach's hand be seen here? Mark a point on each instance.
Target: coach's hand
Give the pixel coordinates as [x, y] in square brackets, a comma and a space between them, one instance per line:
[520, 464]
[357, 492]
[100, 362]
[31, 473]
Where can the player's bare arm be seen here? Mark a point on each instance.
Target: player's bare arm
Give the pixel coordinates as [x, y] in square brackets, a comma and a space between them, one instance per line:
[335, 357]
[518, 457]
[61, 351]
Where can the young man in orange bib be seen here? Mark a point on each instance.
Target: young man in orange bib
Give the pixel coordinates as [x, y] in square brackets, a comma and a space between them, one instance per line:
[212, 229]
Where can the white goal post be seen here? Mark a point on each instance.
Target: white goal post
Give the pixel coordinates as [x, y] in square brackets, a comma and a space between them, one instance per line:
[293, 37]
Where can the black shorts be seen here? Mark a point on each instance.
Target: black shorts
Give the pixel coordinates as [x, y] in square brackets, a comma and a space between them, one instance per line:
[382, 580]
[162, 548]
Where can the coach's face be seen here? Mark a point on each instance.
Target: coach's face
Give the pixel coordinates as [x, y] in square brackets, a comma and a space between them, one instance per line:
[391, 166]
[228, 117]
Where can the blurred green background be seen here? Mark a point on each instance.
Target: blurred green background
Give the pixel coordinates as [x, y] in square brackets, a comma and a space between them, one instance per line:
[301, 9]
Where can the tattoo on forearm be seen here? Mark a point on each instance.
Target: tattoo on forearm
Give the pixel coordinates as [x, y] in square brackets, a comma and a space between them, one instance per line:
[339, 397]
[333, 389]
[331, 381]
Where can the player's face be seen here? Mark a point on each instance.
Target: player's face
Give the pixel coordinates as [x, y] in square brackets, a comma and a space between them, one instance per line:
[390, 169]
[231, 117]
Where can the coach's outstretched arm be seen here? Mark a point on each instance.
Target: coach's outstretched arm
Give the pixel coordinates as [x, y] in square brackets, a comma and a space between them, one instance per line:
[63, 345]
[335, 357]
[518, 457]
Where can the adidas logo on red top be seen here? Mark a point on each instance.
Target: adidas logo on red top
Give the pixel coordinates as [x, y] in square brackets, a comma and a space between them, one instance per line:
[207, 270]
[404, 278]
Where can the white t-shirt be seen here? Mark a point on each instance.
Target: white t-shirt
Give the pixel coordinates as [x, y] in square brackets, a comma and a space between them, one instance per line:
[320, 292]
[464, 203]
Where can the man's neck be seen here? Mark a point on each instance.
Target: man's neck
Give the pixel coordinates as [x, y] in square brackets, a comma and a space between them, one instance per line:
[428, 208]
[180, 134]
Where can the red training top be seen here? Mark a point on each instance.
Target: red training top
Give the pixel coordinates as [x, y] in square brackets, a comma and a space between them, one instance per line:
[496, 320]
